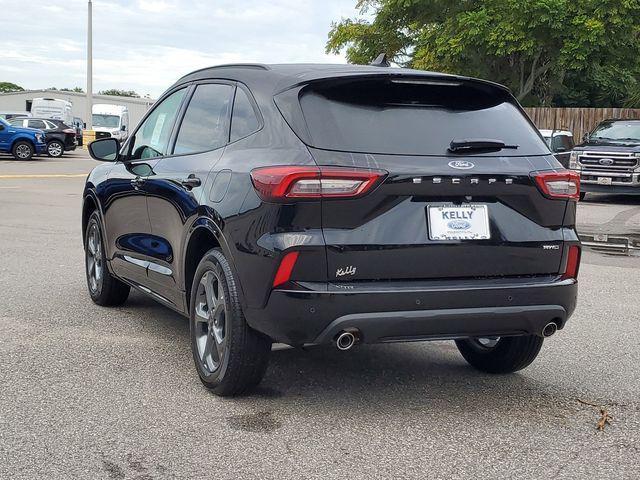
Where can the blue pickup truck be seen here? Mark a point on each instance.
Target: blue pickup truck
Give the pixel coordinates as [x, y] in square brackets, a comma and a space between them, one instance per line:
[22, 143]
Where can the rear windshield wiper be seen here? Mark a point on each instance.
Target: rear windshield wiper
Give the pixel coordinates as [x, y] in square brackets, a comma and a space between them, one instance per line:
[467, 144]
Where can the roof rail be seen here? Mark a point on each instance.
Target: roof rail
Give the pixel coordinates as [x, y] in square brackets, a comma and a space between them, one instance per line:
[381, 61]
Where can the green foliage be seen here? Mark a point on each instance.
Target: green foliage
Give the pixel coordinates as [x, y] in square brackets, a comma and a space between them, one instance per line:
[7, 87]
[120, 93]
[547, 51]
[74, 89]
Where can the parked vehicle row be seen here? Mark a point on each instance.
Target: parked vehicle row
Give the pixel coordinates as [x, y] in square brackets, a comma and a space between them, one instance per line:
[59, 137]
[22, 142]
[608, 161]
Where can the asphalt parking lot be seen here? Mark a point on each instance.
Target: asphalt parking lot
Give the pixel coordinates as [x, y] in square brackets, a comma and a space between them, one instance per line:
[90, 392]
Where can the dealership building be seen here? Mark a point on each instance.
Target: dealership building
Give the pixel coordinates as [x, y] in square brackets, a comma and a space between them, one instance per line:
[21, 102]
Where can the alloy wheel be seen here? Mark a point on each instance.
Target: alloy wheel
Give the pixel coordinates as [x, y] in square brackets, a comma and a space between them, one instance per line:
[23, 151]
[210, 322]
[94, 258]
[54, 149]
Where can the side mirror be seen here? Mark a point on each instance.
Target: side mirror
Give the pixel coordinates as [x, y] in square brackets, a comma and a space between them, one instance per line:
[84, 125]
[1, 127]
[585, 137]
[123, 128]
[105, 150]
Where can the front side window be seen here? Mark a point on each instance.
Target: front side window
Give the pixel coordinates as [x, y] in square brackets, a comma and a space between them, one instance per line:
[244, 120]
[206, 122]
[152, 137]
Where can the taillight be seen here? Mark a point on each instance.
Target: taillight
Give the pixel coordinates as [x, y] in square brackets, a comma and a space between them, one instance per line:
[299, 182]
[563, 184]
[286, 267]
[69, 130]
[573, 263]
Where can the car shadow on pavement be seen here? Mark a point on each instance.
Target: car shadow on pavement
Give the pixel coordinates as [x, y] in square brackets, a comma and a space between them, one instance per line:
[374, 378]
[614, 199]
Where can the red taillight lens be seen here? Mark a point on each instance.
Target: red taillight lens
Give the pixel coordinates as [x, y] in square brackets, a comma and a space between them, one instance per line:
[564, 184]
[573, 263]
[286, 267]
[290, 182]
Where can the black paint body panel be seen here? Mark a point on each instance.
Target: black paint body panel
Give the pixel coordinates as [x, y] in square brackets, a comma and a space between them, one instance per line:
[384, 235]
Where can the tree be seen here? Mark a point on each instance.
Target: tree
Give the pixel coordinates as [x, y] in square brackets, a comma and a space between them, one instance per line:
[74, 89]
[8, 87]
[120, 93]
[541, 49]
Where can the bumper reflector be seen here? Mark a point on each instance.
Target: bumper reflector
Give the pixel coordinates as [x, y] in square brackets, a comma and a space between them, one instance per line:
[573, 263]
[284, 270]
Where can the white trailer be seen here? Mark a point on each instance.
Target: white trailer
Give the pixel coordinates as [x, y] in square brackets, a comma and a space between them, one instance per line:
[53, 108]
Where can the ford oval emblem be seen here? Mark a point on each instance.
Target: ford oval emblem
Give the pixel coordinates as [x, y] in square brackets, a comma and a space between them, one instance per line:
[606, 161]
[459, 225]
[461, 164]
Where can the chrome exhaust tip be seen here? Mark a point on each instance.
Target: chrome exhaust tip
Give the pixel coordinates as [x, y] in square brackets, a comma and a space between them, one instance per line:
[345, 340]
[549, 329]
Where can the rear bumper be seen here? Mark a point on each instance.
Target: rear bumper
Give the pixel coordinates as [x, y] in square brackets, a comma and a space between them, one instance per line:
[411, 311]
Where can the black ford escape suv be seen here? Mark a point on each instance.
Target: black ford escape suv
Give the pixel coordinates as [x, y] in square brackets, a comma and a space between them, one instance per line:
[313, 204]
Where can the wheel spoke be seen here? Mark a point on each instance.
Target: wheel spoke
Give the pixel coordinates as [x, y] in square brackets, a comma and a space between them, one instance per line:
[210, 290]
[91, 244]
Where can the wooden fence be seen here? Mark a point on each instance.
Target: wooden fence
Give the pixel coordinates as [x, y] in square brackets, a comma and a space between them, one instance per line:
[578, 120]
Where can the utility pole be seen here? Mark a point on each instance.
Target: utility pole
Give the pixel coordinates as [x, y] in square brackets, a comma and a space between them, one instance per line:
[89, 112]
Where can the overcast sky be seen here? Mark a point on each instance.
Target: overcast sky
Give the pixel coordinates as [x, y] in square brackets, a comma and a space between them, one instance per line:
[145, 45]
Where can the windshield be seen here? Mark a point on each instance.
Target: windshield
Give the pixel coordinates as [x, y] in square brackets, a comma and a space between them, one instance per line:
[618, 131]
[110, 121]
[412, 117]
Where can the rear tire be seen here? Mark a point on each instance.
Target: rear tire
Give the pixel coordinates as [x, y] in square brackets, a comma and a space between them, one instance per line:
[104, 288]
[508, 355]
[23, 150]
[55, 149]
[583, 195]
[231, 358]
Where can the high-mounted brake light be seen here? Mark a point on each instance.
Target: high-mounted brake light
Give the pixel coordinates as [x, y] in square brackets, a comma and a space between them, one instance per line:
[277, 184]
[573, 263]
[563, 184]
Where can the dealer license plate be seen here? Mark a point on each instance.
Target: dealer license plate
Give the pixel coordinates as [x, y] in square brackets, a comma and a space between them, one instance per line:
[469, 222]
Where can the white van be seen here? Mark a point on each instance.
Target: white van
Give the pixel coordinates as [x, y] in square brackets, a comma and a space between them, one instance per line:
[110, 121]
[52, 108]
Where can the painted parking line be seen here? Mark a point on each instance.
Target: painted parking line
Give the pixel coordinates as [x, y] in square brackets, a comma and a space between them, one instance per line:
[45, 175]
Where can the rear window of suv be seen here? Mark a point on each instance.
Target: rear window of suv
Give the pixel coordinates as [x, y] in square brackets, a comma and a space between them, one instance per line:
[412, 117]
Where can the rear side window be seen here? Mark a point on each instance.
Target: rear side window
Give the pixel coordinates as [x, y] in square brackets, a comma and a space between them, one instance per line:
[37, 124]
[206, 122]
[412, 116]
[244, 121]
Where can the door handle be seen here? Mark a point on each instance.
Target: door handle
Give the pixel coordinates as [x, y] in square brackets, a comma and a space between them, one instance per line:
[138, 182]
[191, 182]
